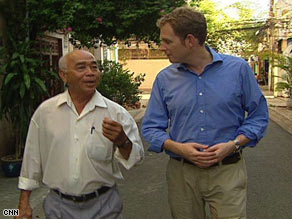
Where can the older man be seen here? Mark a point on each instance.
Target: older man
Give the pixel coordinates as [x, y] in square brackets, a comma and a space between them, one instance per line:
[74, 144]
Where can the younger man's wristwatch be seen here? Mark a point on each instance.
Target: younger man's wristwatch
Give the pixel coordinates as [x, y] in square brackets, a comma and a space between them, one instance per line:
[237, 145]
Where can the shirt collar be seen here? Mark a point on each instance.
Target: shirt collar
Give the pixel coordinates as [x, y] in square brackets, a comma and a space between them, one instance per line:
[216, 58]
[96, 100]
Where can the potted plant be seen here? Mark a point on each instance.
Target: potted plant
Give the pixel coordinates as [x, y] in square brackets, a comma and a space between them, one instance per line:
[285, 63]
[22, 90]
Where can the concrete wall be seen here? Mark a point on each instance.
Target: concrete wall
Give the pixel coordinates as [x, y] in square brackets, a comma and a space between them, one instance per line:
[151, 67]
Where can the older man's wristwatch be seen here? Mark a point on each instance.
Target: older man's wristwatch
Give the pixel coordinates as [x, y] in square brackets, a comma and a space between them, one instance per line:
[237, 145]
[125, 144]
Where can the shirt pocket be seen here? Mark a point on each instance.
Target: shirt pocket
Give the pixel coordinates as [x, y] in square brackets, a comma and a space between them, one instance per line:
[98, 147]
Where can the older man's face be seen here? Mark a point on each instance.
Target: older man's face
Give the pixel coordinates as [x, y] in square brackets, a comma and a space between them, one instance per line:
[83, 74]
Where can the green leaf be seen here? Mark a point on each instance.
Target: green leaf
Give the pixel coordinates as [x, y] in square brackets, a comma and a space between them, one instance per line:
[21, 58]
[22, 90]
[9, 77]
[14, 56]
[32, 70]
[13, 63]
[3, 68]
[41, 84]
[27, 81]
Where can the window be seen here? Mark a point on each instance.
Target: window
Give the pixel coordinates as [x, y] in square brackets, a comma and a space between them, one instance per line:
[51, 49]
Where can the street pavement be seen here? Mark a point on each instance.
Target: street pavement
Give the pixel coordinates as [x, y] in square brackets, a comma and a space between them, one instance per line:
[144, 190]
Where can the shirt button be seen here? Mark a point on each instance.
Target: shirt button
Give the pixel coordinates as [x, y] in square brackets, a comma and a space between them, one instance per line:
[202, 129]
[201, 94]
[201, 111]
[200, 77]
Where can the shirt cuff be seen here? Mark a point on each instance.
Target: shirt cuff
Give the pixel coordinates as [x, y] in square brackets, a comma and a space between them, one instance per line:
[136, 157]
[157, 144]
[27, 184]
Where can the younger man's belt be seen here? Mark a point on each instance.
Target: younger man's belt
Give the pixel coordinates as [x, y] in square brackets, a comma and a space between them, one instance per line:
[234, 158]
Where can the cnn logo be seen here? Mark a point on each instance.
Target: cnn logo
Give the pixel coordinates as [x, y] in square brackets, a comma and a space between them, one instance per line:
[11, 212]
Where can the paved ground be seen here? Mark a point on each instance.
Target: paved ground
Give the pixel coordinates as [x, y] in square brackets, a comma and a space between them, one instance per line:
[144, 190]
[280, 113]
[269, 181]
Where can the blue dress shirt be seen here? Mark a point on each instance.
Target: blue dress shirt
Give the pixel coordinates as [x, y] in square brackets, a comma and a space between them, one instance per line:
[214, 107]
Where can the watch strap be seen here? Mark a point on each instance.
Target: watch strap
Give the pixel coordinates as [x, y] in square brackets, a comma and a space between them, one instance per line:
[125, 144]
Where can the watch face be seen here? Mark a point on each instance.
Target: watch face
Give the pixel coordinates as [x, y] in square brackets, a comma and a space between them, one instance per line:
[126, 143]
[237, 144]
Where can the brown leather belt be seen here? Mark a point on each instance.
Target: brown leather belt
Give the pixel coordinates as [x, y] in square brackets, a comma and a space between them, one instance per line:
[234, 158]
[85, 197]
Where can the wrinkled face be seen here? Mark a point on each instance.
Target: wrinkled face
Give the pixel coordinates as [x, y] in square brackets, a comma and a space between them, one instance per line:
[172, 45]
[82, 75]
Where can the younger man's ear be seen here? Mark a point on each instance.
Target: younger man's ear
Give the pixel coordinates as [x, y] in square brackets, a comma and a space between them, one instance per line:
[191, 40]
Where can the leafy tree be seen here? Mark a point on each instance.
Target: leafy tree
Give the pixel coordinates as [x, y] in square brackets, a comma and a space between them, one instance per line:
[93, 22]
[227, 34]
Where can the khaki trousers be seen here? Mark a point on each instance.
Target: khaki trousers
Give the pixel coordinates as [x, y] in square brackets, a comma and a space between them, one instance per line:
[222, 187]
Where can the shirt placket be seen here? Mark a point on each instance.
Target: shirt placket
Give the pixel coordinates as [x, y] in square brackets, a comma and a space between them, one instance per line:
[75, 159]
[200, 92]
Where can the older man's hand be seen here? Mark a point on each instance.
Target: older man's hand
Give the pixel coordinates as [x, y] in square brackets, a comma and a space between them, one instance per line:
[25, 212]
[113, 131]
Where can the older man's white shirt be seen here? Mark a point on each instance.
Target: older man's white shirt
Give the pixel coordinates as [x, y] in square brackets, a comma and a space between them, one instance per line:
[68, 152]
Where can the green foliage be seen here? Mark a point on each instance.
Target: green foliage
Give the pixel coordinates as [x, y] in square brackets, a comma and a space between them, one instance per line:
[119, 84]
[93, 22]
[90, 22]
[23, 87]
[234, 35]
[284, 63]
[14, 15]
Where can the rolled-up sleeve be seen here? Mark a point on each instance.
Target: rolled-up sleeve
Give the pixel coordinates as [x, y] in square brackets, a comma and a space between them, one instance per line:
[132, 131]
[255, 124]
[155, 120]
[30, 175]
